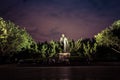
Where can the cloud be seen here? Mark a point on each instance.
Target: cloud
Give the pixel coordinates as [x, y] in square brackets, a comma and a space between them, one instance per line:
[48, 19]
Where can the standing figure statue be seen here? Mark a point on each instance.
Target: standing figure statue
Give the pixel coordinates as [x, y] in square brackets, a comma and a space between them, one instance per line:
[64, 43]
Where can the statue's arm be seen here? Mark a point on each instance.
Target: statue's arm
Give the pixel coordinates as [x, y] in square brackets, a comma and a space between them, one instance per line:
[60, 40]
[66, 41]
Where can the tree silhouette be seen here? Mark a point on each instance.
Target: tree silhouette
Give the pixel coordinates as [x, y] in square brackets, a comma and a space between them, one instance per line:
[110, 37]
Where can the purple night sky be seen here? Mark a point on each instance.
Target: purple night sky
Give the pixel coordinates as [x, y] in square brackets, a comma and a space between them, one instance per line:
[47, 19]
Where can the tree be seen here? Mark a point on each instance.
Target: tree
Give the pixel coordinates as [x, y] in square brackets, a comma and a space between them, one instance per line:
[44, 50]
[110, 37]
[77, 47]
[89, 48]
[13, 38]
[54, 48]
[71, 46]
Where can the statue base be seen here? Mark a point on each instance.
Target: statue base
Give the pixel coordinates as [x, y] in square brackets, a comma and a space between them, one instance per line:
[64, 57]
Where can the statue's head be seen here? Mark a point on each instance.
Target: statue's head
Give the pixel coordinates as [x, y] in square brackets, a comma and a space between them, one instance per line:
[63, 35]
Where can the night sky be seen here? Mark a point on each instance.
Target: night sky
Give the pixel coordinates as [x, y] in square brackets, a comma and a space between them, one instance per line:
[46, 20]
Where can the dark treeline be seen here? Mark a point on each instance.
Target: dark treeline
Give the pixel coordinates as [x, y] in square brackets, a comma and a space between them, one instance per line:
[17, 46]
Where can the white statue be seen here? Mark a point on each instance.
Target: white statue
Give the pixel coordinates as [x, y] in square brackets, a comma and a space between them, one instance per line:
[64, 42]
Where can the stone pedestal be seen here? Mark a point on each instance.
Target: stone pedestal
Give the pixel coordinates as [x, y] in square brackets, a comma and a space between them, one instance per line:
[63, 57]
